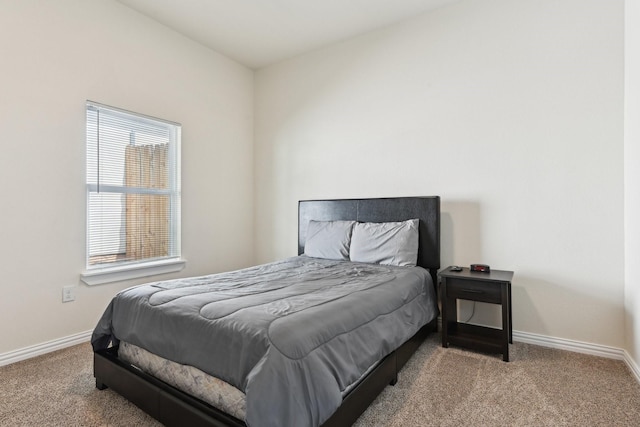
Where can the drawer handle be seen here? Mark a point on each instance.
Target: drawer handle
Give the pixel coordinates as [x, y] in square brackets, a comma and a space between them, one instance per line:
[472, 291]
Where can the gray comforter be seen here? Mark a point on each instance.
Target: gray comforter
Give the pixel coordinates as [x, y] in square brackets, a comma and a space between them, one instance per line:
[291, 334]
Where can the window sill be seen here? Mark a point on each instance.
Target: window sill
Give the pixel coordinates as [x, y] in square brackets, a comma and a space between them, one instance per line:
[126, 272]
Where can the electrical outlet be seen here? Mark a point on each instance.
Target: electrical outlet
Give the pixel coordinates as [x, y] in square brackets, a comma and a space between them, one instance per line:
[68, 293]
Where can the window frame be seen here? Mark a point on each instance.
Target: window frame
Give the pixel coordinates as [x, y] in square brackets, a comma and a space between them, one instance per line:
[125, 270]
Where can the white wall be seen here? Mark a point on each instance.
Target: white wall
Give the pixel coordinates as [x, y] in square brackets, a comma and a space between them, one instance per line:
[57, 54]
[632, 177]
[511, 111]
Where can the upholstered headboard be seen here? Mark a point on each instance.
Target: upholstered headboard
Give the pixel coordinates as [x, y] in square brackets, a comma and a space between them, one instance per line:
[427, 209]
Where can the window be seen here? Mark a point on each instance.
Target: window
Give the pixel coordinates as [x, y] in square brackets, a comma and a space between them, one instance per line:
[133, 193]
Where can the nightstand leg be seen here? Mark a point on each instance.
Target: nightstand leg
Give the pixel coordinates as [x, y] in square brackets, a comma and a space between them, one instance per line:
[506, 322]
[445, 313]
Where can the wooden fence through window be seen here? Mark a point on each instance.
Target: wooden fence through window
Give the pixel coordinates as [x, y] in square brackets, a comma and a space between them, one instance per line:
[147, 215]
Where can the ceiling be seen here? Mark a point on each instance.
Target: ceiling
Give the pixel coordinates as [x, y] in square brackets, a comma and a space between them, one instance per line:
[258, 33]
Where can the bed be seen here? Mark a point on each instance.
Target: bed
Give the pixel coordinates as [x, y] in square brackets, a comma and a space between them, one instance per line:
[300, 374]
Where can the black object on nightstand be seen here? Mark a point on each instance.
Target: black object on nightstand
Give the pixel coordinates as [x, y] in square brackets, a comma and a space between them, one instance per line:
[493, 287]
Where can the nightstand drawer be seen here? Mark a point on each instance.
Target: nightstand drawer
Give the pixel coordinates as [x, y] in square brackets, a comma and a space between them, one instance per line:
[475, 290]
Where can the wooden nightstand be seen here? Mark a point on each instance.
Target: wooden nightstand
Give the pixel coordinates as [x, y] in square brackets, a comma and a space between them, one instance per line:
[493, 287]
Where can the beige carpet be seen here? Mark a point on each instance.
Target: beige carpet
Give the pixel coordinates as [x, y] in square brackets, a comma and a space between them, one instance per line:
[539, 387]
[438, 387]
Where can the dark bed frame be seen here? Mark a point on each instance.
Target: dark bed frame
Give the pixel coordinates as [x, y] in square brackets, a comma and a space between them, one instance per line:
[173, 407]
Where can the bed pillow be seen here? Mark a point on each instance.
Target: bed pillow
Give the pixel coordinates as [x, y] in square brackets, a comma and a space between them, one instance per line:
[391, 243]
[329, 239]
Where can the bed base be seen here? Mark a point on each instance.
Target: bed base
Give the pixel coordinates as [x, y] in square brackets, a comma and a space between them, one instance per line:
[173, 407]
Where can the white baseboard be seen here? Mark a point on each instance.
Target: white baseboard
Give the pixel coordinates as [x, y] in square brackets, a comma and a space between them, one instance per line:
[633, 366]
[565, 344]
[570, 345]
[46, 347]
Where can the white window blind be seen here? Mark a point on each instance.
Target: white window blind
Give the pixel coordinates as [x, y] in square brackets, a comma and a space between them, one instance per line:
[133, 188]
